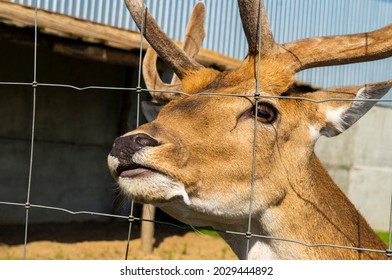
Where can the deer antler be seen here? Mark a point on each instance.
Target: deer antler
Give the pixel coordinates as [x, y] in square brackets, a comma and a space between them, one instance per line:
[314, 52]
[250, 11]
[170, 53]
[337, 50]
[192, 42]
[293, 56]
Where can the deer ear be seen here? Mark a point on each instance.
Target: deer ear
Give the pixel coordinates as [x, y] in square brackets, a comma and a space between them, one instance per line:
[337, 116]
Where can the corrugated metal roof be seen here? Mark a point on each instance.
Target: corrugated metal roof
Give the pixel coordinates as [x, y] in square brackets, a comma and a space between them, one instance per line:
[290, 20]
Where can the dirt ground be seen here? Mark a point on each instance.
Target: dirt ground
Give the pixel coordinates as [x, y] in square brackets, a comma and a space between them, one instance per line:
[107, 241]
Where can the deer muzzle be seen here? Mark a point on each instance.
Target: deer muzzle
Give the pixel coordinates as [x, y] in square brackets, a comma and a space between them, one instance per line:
[121, 156]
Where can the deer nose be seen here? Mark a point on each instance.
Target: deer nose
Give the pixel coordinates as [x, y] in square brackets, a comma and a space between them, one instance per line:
[124, 147]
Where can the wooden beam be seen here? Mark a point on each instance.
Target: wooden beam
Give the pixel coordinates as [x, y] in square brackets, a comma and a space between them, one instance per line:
[64, 26]
[69, 47]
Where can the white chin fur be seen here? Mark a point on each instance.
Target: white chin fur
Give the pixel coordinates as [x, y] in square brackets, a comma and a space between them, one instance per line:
[153, 188]
[113, 163]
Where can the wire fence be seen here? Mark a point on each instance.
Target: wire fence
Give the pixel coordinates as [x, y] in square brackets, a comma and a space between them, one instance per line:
[131, 218]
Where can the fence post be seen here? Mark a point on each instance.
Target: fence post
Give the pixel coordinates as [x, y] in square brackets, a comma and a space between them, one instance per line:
[147, 231]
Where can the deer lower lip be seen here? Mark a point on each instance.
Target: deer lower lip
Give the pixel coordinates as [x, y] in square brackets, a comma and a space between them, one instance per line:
[134, 172]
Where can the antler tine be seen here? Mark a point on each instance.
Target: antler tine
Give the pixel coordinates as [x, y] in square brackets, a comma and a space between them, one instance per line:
[338, 50]
[194, 34]
[171, 54]
[250, 16]
[154, 82]
[194, 37]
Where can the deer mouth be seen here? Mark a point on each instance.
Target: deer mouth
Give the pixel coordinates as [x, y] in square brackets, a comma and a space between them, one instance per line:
[145, 184]
[134, 170]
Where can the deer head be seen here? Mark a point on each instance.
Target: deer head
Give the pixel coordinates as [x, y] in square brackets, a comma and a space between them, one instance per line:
[195, 161]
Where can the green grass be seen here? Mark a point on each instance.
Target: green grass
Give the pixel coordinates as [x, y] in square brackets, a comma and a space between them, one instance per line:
[208, 231]
[383, 235]
[185, 249]
[169, 255]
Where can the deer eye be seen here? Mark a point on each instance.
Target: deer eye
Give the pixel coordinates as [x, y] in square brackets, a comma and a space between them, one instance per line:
[266, 113]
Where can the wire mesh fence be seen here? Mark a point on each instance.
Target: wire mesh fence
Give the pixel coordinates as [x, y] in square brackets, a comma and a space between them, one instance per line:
[29, 206]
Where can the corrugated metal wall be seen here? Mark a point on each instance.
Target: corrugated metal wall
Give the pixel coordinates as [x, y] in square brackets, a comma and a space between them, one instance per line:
[290, 20]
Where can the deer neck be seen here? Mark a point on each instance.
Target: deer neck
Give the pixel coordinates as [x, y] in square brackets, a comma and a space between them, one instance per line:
[313, 211]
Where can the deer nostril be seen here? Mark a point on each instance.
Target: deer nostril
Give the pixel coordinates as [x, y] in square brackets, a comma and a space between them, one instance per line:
[124, 147]
[145, 140]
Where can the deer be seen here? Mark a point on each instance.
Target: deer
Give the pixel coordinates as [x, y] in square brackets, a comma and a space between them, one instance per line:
[241, 158]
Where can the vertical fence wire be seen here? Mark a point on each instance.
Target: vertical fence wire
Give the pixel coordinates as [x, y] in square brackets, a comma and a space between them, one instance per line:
[389, 250]
[27, 205]
[254, 155]
[139, 92]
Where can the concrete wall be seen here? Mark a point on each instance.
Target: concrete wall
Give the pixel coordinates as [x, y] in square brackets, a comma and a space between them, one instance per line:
[360, 162]
[74, 134]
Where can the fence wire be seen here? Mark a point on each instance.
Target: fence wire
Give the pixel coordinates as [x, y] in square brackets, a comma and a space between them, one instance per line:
[35, 85]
